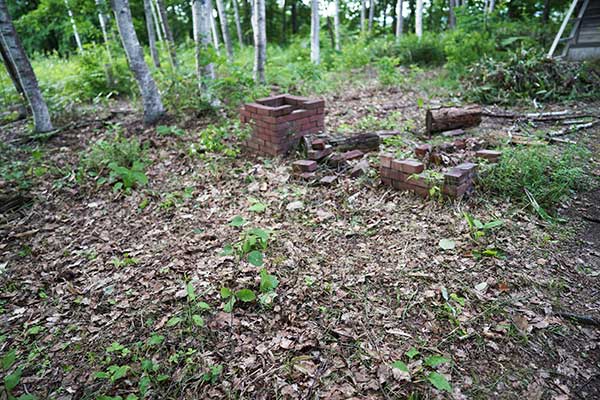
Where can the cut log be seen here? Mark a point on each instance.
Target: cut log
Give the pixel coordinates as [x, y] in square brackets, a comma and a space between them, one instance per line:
[365, 142]
[449, 118]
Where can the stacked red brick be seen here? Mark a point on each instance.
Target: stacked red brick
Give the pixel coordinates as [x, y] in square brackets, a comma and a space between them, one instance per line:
[279, 122]
[409, 175]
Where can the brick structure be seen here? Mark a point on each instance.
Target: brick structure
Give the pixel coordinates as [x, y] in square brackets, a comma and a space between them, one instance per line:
[409, 175]
[279, 122]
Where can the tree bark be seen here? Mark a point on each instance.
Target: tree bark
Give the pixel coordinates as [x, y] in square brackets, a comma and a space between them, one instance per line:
[399, 19]
[419, 19]
[364, 142]
[156, 19]
[260, 40]
[162, 15]
[315, 55]
[153, 107]
[238, 25]
[451, 15]
[371, 14]
[448, 118]
[103, 19]
[546, 13]
[200, 20]
[225, 29]
[12, 72]
[213, 27]
[20, 64]
[330, 31]
[294, 17]
[74, 26]
[151, 33]
[336, 24]
[363, 15]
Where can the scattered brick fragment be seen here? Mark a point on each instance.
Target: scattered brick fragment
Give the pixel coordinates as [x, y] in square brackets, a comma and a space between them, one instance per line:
[423, 149]
[318, 144]
[320, 154]
[301, 166]
[328, 180]
[361, 168]
[491, 155]
[352, 155]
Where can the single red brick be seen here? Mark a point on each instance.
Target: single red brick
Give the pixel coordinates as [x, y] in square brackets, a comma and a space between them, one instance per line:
[352, 155]
[419, 181]
[408, 166]
[423, 149]
[304, 166]
[318, 144]
[319, 154]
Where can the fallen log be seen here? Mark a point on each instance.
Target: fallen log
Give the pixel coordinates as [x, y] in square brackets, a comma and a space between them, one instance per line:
[365, 142]
[541, 116]
[449, 118]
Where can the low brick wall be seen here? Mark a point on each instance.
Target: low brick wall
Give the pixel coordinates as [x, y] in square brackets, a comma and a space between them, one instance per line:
[279, 122]
[410, 175]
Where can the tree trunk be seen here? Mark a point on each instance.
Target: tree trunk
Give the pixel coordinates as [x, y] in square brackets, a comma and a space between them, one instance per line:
[162, 15]
[74, 26]
[238, 25]
[364, 142]
[419, 19]
[371, 14]
[546, 13]
[225, 29]
[384, 14]
[20, 64]
[153, 107]
[103, 19]
[336, 24]
[156, 19]
[260, 40]
[151, 33]
[448, 118]
[12, 72]
[363, 15]
[213, 27]
[284, 22]
[451, 15]
[201, 25]
[330, 31]
[399, 19]
[294, 17]
[492, 6]
[315, 55]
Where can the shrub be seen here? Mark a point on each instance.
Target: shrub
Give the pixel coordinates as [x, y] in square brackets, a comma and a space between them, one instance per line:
[530, 75]
[427, 51]
[463, 48]
[549, 177]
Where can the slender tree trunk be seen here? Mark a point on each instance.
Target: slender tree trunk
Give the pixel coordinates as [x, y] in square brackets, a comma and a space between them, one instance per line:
[284, 22]
[419, 18]
[151, 33]
[546, 13]
[260, 40]
[201, 25]
[336, 24]
[11, 70]
[294, 17]
[371, 14]
[451, 15]
[213, 27]
[238, 25]
[74, 26]
[492, 5]
[153, 107]
[363, 14]
[315, 55]
[330, 31]
[384, 12]
[103, 19]
[162, 15]
[20, 64]
[399, 19]
[225, 29]
[156, 19]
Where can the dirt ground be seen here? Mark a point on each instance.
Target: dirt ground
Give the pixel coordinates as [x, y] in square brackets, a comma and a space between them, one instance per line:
[363, 281]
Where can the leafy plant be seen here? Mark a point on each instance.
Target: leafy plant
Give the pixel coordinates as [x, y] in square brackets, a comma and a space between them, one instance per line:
[479, 229]
[127, 178]
[244, 295]
[425, 369]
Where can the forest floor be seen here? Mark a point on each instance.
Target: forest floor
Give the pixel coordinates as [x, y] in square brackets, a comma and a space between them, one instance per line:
[93, 282]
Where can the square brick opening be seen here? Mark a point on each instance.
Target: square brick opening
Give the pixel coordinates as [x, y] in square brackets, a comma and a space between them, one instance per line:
[279, 122]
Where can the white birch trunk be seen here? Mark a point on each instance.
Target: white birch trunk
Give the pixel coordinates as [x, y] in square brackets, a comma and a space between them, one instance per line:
[371, 14]
[238, 25]
[260, 40]
[399, 19]
[103, 19]
[225, 29]
[336, 24]
[162, 15]
[151, 33]
[419, 18]
[492, 6]
[157, 25]
[74, 26]
[363, 14]
[213, 27]
[315, 56]
[201, 24]
[153, 107]
[20, 64]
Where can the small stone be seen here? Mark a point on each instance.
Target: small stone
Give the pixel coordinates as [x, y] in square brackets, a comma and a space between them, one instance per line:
[304, 166]
[328, 180]
[295, 205]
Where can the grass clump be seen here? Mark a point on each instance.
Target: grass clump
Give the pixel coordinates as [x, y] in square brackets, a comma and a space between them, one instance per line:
[548, 176]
